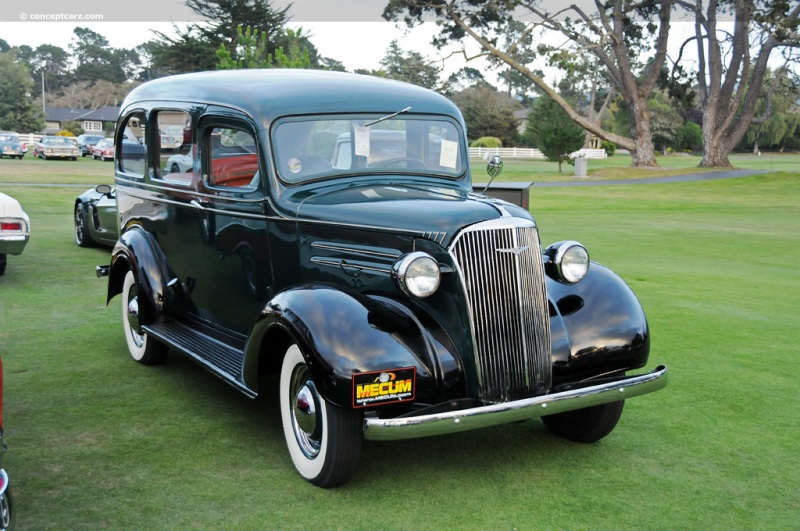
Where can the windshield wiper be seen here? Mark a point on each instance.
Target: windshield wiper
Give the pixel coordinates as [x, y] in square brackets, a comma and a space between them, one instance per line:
[389, 117]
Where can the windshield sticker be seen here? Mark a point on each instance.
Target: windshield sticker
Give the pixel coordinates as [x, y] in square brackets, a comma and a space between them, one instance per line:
[362, 140]
[449, 155]
[294, 165]
[384, 387]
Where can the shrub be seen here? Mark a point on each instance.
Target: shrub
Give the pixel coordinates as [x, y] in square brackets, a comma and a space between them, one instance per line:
[610, 147]
[64, 132]
[487, 142]
[71, 127]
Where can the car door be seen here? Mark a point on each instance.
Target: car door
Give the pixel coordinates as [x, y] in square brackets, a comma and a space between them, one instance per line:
[222, 232]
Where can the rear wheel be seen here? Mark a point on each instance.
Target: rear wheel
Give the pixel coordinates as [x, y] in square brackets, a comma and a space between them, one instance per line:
[586, 425]
[324, 440]
[3, 263]
[142, 348]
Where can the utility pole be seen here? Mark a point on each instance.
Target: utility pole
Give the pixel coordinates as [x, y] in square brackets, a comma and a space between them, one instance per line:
[43, 107]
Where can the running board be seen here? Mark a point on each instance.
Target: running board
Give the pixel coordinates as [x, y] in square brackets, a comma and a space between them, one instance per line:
[221, 359]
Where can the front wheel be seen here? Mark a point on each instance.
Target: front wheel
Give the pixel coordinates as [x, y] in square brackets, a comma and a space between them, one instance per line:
[586, 425]
[324, 440]
[142, 348]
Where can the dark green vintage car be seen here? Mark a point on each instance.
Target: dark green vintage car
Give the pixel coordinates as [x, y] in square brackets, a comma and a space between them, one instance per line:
[327, 231]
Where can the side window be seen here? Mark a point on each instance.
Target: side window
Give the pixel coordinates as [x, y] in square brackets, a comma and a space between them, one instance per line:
[131, 150]
[176, 154]
[232, 157]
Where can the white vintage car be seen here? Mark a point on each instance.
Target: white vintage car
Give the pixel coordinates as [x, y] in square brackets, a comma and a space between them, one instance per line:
[15, 229]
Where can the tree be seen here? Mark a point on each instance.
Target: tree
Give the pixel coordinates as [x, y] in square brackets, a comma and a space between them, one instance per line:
[732, 66]
[689, 137]
[551, 130]
[629, 39]
[411, 67]
[488, 113]
[664, 119]
[783, 120]
[194, 48]
[95, 59]
[17, 111]
[251, 52]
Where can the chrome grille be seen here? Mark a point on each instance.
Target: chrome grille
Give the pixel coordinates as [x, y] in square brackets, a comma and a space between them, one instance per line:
[500, 264]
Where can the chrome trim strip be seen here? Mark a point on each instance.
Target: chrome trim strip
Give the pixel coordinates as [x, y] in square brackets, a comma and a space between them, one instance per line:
[493, 415]
[344, 263]
[196, 206]
[328, 246]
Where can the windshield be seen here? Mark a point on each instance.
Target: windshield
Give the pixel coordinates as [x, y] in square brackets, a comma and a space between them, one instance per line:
[56, 140]
[313, 148]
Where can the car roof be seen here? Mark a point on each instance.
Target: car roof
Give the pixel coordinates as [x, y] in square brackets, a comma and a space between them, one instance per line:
[273, 93]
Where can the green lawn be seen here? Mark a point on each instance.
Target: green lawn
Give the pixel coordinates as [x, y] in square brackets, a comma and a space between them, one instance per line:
[99, 441]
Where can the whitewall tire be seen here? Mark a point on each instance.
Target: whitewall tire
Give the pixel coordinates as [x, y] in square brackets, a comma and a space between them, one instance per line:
[324, 440]
[142, 348]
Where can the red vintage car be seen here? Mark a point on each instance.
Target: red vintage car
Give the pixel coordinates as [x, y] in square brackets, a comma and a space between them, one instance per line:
[103, 150]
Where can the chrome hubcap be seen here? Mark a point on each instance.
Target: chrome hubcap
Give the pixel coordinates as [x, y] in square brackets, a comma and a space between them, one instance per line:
[133, 320]
[306, 420]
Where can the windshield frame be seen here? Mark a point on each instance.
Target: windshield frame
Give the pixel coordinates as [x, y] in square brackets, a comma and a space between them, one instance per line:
[462, 154]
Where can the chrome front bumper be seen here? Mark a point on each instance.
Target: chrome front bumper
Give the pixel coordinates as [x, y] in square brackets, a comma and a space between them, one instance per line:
[492, 415]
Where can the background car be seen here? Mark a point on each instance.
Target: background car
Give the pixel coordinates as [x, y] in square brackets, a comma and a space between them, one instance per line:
[5, 492]
[180, 163]
[10, 145]
[14, 229]
[103, 150]
[60, 147]
[95, 217]
[87, 142]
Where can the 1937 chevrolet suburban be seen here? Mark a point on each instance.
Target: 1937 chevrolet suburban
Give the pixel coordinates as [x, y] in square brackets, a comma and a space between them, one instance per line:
[327, 230]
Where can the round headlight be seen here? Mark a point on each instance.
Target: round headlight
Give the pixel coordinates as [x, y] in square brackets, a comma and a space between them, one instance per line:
[571, 260]
[417, 274]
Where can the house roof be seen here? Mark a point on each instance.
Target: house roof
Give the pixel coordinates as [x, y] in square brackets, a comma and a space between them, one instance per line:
[60, 114]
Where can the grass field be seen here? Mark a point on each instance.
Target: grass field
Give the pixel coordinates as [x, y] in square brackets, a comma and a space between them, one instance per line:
[99, 441]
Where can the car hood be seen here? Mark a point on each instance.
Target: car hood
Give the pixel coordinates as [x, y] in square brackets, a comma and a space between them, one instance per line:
[416, 208]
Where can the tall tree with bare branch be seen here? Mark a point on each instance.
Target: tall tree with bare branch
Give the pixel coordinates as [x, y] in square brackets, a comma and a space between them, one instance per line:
[732, 65]
[629, 40]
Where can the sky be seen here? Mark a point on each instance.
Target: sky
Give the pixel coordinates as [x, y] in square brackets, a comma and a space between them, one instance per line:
[356, 44]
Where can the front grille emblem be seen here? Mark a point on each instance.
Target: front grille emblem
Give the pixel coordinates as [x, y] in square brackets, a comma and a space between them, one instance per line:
[516, 251]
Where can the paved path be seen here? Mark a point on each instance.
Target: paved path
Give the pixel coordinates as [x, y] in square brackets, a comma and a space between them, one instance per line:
[692, 177]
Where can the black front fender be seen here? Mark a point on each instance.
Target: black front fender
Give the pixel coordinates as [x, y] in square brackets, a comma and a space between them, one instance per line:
[138, 251]
[342, 333]
[597, 327]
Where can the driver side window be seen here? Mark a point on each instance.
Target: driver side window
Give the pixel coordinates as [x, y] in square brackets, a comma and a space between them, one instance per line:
[232, 158]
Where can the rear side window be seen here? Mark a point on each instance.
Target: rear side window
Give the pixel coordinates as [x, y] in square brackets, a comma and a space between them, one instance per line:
[232, 157]
[131, 150]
